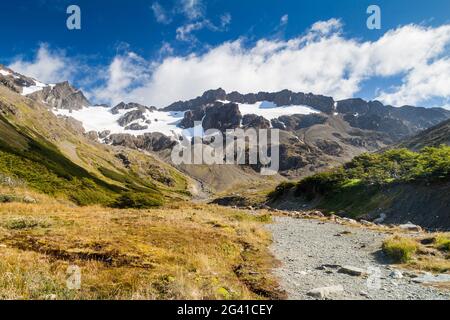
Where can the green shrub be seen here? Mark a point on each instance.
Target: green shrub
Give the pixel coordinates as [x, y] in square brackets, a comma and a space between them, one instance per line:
[442, 242]
[400, 249]
[6, 198]
[19, 223]
[133, 200]
[280, 190]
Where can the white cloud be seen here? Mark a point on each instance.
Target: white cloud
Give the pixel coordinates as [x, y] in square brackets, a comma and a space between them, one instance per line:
[122, 74]
[192, 9]
[284, 20]
[47, 66]
[185, 32]
[322, 61]
[160, 13]
[328, 64]
[327, 27]
[225, 19]
[424, 82]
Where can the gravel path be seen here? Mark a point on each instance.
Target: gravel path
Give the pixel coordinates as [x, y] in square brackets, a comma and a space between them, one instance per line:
[305, 246]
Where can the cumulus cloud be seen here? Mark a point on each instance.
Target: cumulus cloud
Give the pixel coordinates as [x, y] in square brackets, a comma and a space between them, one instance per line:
[160, 13]
[125, 71]
[326, 27]
[321, 61]
[424, 82]
[185, 32]
[192, 9]
[47, 66]
[328, 64]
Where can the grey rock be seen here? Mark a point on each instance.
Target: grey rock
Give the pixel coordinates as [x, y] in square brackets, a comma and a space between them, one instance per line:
[353, 271]
[396, 274]
[28, 199]
[254, 121]
[429, 278]
[326, 292]
[62, 96]
[136, 127]
[104, 134]
[410, 227]
[92, 135]
[130, 117]
[222, 117]
[381, 218]
[131, 105]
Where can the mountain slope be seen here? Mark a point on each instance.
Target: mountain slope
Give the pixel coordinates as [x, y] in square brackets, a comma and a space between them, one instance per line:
[399, 185]
[51, 156]
[434, 136]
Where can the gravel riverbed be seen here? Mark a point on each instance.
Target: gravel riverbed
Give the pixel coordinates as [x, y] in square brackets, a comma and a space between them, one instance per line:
[313, 252]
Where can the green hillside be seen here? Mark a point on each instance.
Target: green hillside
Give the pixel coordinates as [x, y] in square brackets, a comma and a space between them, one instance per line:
[370, 181]
[39, 151]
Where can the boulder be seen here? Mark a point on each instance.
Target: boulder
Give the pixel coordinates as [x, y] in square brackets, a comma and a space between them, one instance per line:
[381, 218]
[28, 199]
[352, 271]
[396, 274]
[326, 292]
[410, 227]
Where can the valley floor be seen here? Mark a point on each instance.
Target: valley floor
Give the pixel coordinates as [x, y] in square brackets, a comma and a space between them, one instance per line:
[180, 251]
[313, 251]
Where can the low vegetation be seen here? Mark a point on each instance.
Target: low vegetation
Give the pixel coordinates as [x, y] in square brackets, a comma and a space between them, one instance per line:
[400, 249]
[356, 186]
[180, 251]
[428, 253]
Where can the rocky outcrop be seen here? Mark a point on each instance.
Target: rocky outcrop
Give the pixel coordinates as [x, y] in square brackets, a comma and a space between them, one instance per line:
[191, 116]
[73, 125]
[222, 117]
[331, 148]
[92, 135]
[61, 96]
[154, 141]
[432, 137]
[209, 97]
[282, 98]
[104, 134]
[132, 105]
[136, 127]
[255, 121]
[300, 121]
[396, 122]
[130, 117]
[138, 112]
[14, 81]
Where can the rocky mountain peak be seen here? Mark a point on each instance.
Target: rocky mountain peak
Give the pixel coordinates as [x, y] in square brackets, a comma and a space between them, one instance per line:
[62, 96]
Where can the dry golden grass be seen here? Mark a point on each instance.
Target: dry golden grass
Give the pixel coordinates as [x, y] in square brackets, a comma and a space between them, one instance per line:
[428, 252]
[181, 251]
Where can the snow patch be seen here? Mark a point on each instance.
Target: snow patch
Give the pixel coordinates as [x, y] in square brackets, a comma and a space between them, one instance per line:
[270, 110]
[98, 118]
[32, 89]
[4, 72]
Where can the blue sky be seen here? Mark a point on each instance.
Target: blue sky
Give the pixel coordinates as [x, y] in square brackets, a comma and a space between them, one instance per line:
[124, 46]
